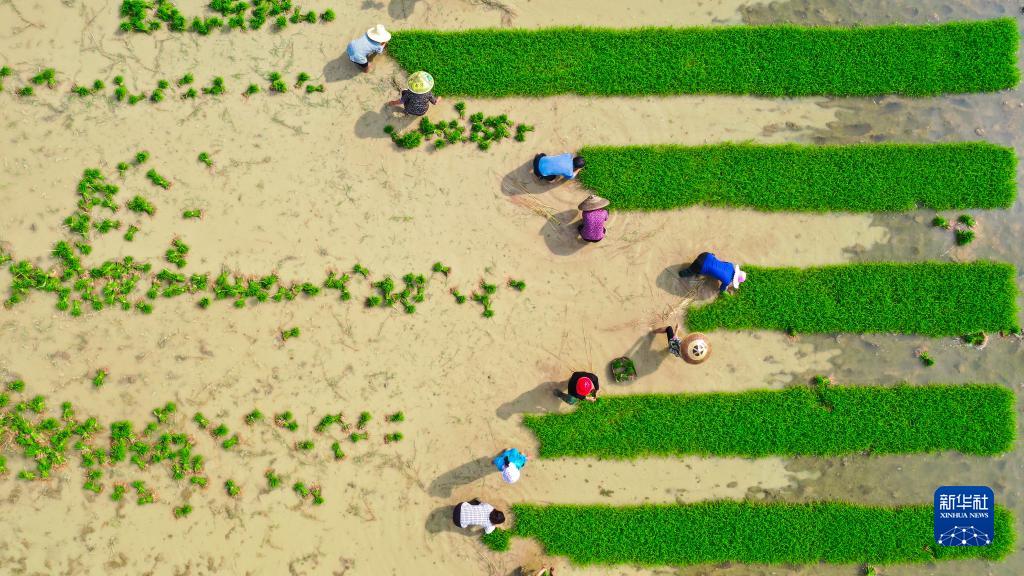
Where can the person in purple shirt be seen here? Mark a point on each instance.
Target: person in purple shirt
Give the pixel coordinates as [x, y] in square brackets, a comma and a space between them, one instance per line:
[727, 273]
[594, 216]
[551, 168]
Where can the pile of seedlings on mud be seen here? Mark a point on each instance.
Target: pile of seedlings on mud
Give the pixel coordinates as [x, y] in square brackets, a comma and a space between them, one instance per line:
[963, 228]
[146, 16]
[80, 284]
[483, 130]
[182, 89]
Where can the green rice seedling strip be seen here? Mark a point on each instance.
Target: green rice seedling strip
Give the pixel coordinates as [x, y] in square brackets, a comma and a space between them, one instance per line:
[746, 532]
[927, 298]
[919, 60]
[859, 178]
[800, 421]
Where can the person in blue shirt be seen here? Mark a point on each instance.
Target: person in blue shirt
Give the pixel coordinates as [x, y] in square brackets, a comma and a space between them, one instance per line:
[509, 463]
[550, 168]
[727, 273]
[362, 50]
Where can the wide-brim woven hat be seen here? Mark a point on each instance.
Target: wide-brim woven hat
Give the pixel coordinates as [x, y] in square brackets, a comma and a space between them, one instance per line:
[695, 348]
[379, 34]
[593, 203]
[421, 82]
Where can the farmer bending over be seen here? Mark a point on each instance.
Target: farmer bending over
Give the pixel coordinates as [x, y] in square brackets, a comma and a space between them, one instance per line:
[362, 50]
[476, 513]
[509, 463]
[551, 168]
[594, 216]
[727, 273]
[418, 97]
[582, 386]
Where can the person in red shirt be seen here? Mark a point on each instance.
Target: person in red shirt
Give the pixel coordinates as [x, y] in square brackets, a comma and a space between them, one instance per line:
[582, 386]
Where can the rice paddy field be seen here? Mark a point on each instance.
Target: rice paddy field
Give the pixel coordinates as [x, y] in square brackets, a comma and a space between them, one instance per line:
[249, 329]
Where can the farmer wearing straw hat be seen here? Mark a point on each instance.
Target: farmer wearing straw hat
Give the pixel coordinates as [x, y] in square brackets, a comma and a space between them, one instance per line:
[362, 50]
[509, 463]
[418, 97]
[594, 216]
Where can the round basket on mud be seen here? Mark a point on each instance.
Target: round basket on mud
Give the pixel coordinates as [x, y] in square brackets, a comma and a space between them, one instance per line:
[695, 348]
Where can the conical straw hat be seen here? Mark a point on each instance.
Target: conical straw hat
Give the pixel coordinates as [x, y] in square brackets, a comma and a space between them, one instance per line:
[593, 203]
[421, 82]
[695, 348]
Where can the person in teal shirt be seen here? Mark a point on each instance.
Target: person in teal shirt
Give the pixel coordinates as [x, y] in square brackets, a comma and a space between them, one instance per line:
[509, 463]
[550, 168]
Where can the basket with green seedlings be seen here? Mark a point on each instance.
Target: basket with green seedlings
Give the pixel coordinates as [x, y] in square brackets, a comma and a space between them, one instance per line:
[273, 480]
[926, 358]
[204, 157]
[232, 489]
[312, 88]
[339, 454]
[623, 369]
[99, 378]
[192, 214]
[290, 333]
[157, 179]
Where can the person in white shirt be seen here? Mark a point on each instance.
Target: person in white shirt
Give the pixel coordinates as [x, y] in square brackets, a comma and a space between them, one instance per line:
[476, 513]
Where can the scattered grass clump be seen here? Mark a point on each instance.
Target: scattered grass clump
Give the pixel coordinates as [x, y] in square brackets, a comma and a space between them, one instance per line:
[756, 533]
[792, 177]
[253, 417]
[396, 417]
[287, 421]
[99, 378]
[177, 252]
[204, 157]
[273, 480]
[140, 204]
[231, 488]
[927, 298]
[781, 60]
[157, 179]
[192, 214]
[822, 420]
[926, 359]
[47, 76]
[290, 333]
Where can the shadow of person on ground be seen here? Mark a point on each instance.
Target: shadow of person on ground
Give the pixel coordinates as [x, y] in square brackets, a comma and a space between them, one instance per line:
[341, 69]
[522, 181]
[541, 399]
[647, 354]
[562, 238]
[440, 520]
[443, 485]
[371, 124]
[401, 9]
